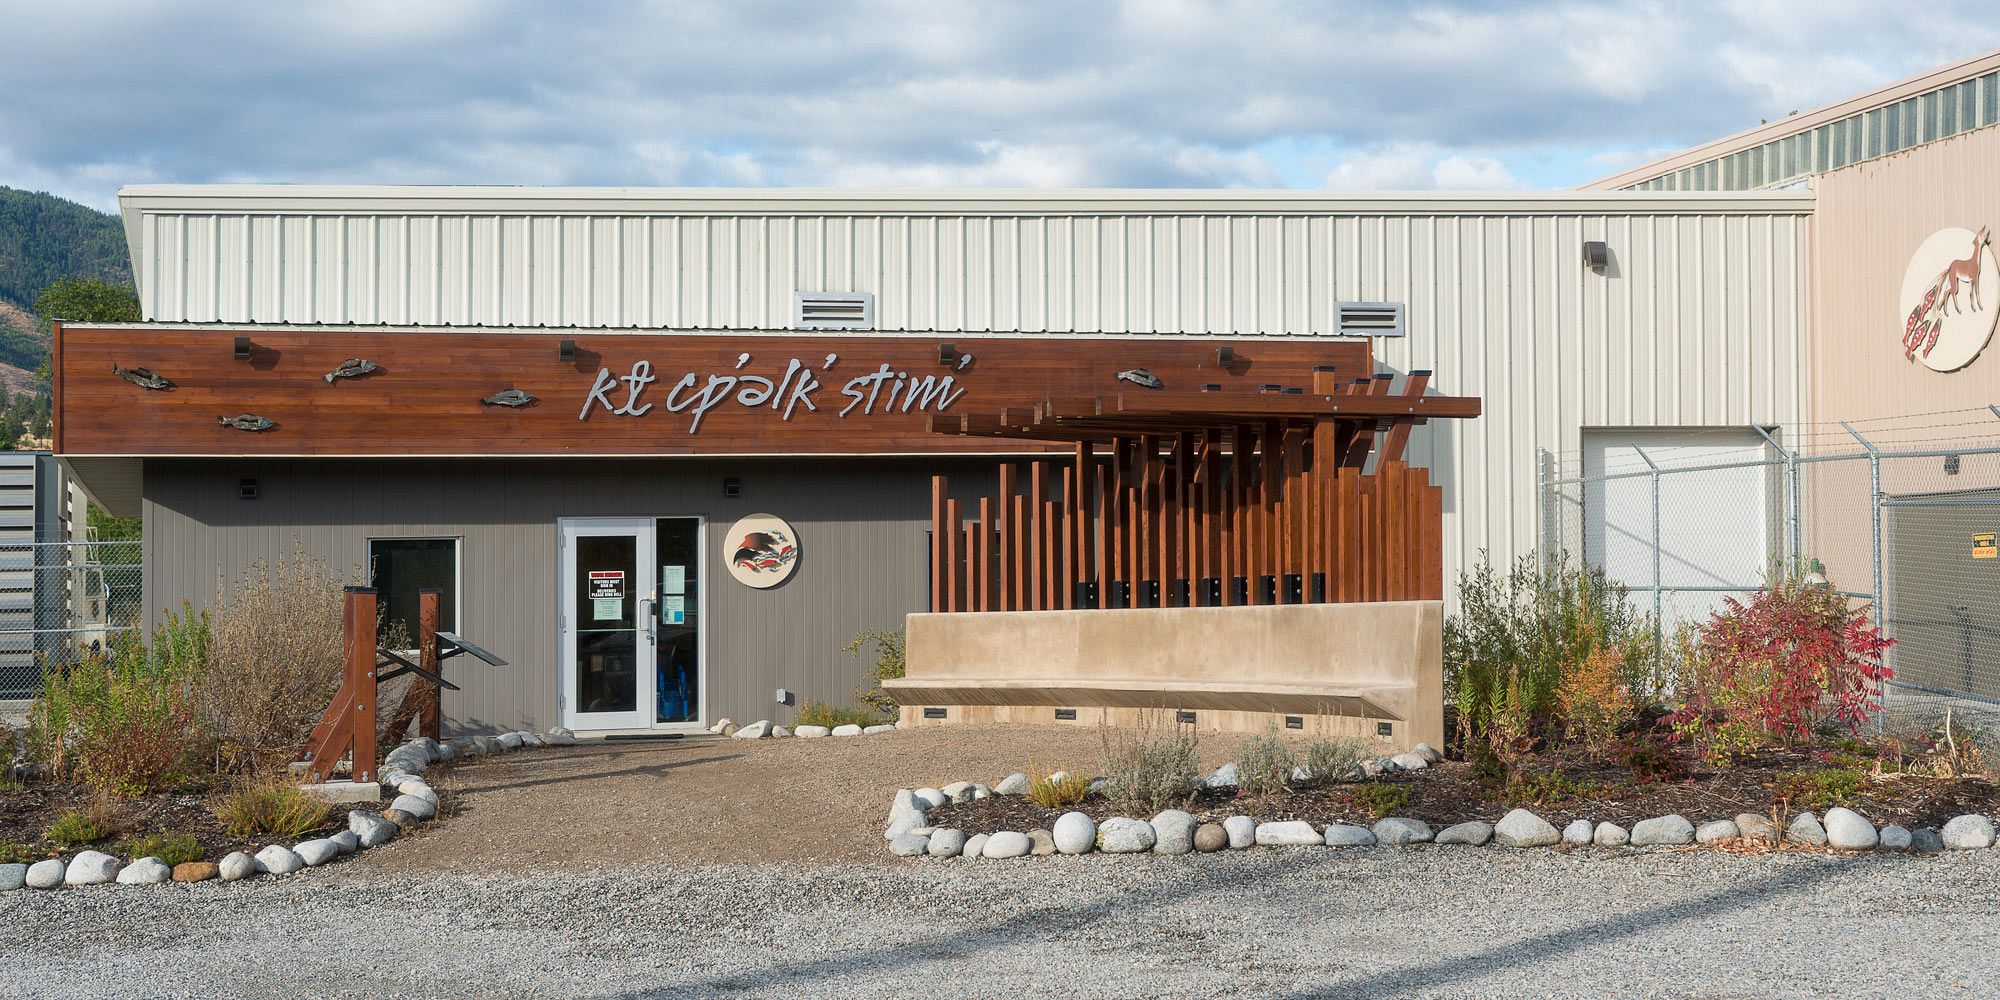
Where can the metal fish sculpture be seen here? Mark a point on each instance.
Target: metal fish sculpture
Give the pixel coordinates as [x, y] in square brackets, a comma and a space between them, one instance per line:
[1139, 377]
[511, 397]
[246, 422]
[352, 368]
[144, 378]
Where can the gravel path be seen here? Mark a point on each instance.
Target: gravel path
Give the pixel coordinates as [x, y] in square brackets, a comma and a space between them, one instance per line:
[1290, 923]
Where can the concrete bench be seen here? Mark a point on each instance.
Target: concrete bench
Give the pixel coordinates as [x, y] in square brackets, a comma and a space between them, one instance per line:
[1342, 668]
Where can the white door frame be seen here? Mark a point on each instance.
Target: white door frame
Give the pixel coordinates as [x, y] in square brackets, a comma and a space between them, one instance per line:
[647, 586]
[640, 529]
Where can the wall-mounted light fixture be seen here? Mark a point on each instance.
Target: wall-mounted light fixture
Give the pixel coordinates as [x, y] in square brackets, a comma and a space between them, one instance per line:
[566, 350]
[947, 354]
[1270, 387]
[732, 487]
[1225, 356]
[1951, 465]
[1596, 255]
[243, 348]
[1211, 387]
[246, 489]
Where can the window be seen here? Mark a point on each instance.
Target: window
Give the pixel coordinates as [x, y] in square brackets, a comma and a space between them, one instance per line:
[398, 568]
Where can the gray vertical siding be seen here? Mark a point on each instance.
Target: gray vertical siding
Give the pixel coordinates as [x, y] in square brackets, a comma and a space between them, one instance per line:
[862, 525]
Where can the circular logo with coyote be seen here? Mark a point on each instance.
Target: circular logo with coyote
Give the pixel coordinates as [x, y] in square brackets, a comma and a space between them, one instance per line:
[1948, 299]
[763, 551]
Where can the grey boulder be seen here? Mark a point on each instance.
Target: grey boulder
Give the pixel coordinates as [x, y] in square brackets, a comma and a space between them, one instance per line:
[145, 871]
[1971, 832]
[1806, 829]
[909, 845]
[946, 843]
[373, 830]
[1521, 828]
[1754, 826]
[1289, 833]
[1926, 840]
[847, 730]
[957, 791]
[346, 841]
[930, 798]
[809, 732]
[1396, 831]
[1472, 833]
[1242, 831]
[1669, 830]
[902, 823]
[1348, 835]
[558, 736]
[1411, 761]
[1223, 777]
[1007, 844]
[1850, 831]
[1895, 838]
[511, 741]
[417, 806]
[975, 845]
[1173, 832]
[13, 876]
[1124, 835]
[1579, 832]
[1610, 835]
[43, 874]
[1427, 752]
[1075, 833]
[1013, 784]
[280, 860]
[236, 866]
[91, 868]
[1716, 830]
[886, 727]
[317, 852]
[754, 731]
[1210, 837]
[1041, 843]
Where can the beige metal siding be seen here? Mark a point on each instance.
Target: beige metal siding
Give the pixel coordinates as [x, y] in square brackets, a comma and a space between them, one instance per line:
[862, 526]
[1872, 218]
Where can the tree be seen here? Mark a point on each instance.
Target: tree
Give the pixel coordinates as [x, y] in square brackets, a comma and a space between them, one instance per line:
[88, 300]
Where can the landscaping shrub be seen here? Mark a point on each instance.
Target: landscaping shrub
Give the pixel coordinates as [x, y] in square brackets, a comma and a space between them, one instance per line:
[267, 806]
[1052, 792]
[1648, 758]
[1152, 766]
[1818, 790]
[814, 713]
[889, 664]
[1381, 799]
[77, 827]
[125, 722]
[13, 852]
[274, 662]
[1335, 759]
[1596, 701]
[173, 849]
[1515, 638]
[1794, 657]
[1264, 764]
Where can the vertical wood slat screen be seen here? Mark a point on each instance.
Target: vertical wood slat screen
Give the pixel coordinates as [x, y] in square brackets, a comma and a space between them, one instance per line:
[1269, 514]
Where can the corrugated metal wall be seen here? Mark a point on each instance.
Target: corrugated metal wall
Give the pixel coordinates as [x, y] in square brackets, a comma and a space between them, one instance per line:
[1699, 320]
[861, 525]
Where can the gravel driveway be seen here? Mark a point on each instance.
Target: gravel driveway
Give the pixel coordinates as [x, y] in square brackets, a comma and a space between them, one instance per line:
[1307, 922]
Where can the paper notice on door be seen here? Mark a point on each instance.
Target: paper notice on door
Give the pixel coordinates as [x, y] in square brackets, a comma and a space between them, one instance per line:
[673, 579]
[607, 609]
[673, 609]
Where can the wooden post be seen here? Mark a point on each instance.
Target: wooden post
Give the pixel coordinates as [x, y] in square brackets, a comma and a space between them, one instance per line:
[430, 718]
[953, 566]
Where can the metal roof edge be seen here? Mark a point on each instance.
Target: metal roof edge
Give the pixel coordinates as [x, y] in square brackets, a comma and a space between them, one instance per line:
[1929, 80]
[492, 200]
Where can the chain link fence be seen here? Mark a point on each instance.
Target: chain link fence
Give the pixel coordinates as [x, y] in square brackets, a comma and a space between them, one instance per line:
[59, 601]
[1900, 514]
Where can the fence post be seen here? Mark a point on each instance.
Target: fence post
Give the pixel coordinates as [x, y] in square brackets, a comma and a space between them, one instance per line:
[1659, 622]
[1543, 495]
[1794, 553]
[1875, 525]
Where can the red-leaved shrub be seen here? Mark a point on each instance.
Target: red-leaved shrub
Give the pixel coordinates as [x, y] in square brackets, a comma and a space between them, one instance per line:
[1793, 656]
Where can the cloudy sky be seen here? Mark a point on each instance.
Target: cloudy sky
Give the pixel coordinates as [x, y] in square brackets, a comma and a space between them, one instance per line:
[1372, 95]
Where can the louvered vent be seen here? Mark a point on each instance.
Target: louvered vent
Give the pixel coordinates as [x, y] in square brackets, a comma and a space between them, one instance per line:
[1371, 319]
[833, 311]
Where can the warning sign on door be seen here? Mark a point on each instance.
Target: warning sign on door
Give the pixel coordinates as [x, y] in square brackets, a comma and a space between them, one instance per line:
[1985, 545]
[607, 584]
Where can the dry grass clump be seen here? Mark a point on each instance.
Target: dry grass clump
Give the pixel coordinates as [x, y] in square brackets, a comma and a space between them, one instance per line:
[1152, 766]
[274, 661]
[272, 806]
[1058, 789]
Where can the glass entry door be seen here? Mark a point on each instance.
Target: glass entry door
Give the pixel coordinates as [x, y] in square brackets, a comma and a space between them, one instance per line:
[630, 623]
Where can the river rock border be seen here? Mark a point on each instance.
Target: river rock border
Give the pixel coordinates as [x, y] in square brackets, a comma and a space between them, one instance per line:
[1175, 831]
[764, 729]
[402, 773]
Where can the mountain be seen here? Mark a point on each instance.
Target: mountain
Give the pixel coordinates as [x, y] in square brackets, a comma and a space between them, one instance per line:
[42, 238]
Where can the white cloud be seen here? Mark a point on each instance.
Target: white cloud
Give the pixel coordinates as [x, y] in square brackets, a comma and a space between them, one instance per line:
[1445, 93]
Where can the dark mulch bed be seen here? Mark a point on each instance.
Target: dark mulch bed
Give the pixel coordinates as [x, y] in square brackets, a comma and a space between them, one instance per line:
[27, 811]
[1454, 791]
